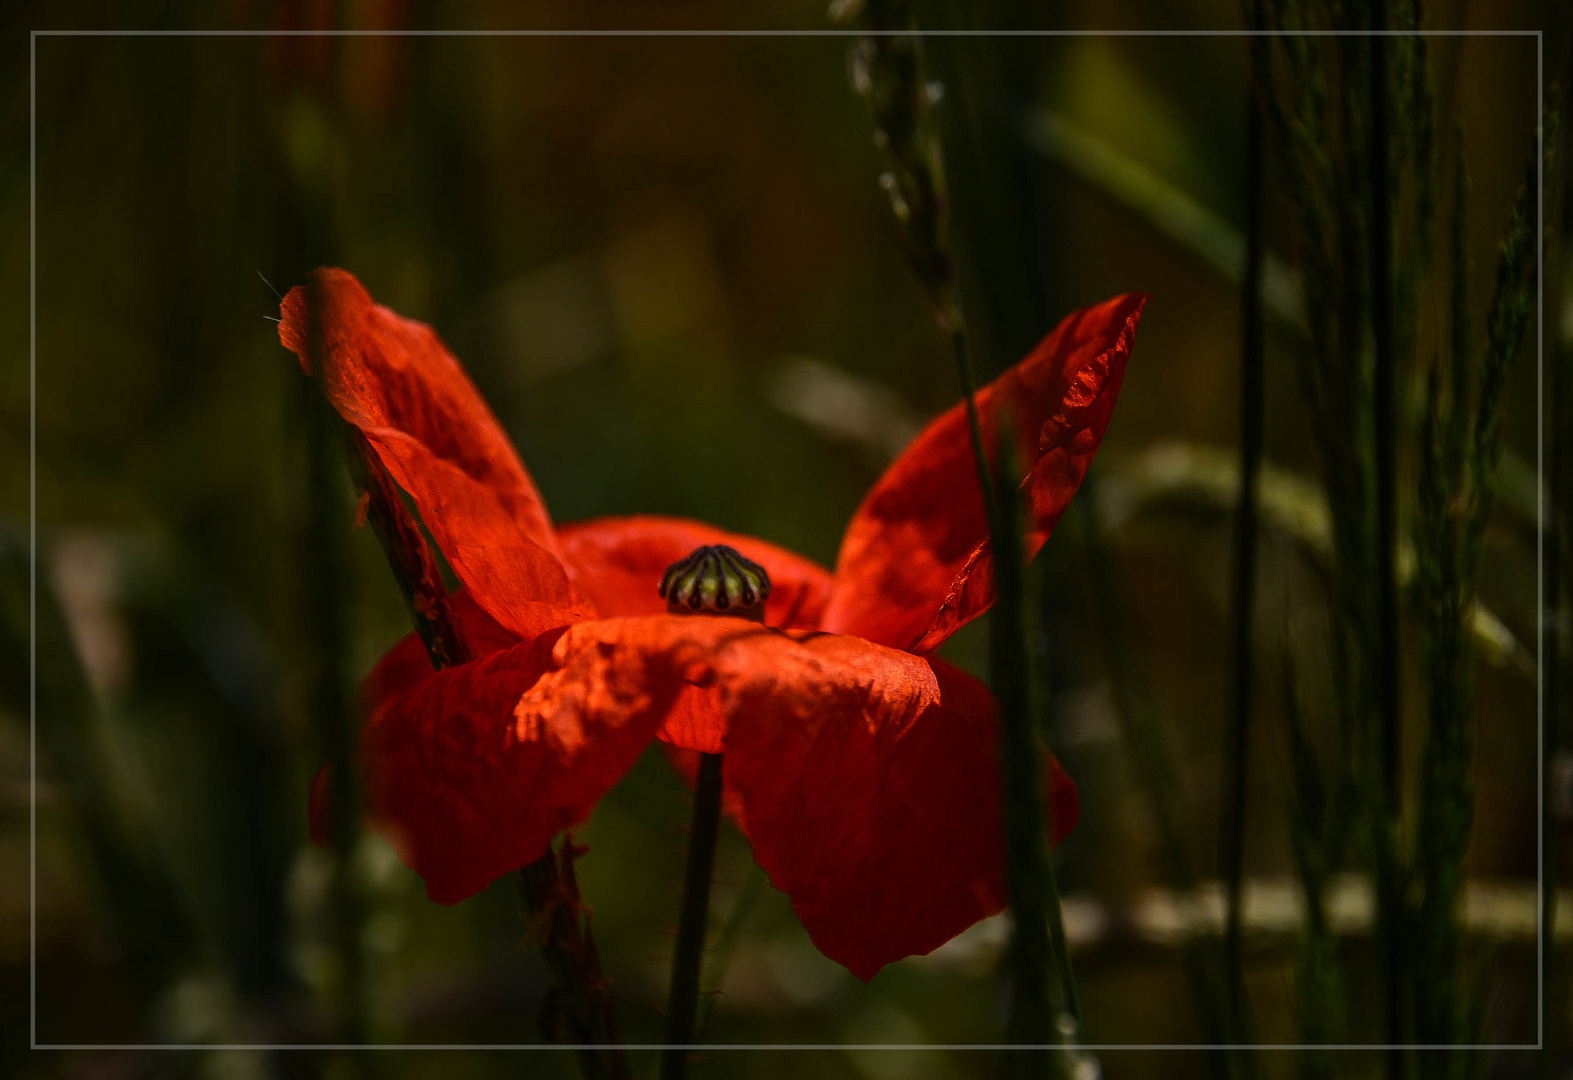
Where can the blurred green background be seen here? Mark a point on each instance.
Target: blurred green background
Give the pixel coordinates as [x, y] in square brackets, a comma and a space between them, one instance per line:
[669, 267]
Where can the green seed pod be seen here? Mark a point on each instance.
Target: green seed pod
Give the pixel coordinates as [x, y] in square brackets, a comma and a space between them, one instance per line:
[716, 580]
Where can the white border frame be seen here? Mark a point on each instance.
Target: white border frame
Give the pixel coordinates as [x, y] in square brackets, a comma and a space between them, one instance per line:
[1540, 534]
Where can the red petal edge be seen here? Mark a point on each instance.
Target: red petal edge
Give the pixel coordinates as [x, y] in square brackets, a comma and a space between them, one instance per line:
[914, 565]
[393, 378]
[475, 769]
[871, 794]
[866, 777]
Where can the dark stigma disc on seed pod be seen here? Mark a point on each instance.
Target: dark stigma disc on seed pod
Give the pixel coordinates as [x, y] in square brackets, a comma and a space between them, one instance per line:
[716, 580]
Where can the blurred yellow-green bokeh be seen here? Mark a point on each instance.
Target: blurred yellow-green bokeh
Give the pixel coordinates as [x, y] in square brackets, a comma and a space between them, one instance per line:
[669, 266]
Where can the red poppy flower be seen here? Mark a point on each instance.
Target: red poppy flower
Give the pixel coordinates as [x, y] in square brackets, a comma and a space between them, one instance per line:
[861, 767]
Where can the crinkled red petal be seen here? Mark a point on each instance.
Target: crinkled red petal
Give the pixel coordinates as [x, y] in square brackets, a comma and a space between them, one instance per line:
[872, 795]
[392, 378]
[1061, 811]
[915, 565]
[407, 663]
[618, 561]
[474, 770]
[868, 777]
[696, 722]
[400, 669]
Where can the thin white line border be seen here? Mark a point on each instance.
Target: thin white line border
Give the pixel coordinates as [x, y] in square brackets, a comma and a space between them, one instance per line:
[1540, 344]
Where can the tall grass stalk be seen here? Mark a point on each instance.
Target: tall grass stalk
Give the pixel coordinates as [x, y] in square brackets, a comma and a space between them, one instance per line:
[682, 1001]
[1317, 824]
[324, 559]
[1029, 878]
[580, 998]
[1327, 102]
[1390, 885]
[1237, 749]
[1557, 422]
[889, 72]
[1152, 760]
[1460, 446]
[1354, 123]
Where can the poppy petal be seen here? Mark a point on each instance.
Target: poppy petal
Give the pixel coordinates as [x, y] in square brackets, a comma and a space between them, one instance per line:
[618, 561]
[1060, 814]
[869, 783]
[915, 564]
[695, 724]
[393, 378]
[399, 670]
[407, 663]
[474, 770]
[866, 777]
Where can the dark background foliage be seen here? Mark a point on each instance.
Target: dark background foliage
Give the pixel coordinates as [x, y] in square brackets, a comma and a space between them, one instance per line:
[668, 265]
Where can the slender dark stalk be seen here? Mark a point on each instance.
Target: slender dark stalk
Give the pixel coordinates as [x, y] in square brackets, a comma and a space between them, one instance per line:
[1034, 897]
[1237, 750]
[581, 994]
[324, 560]
[969, 391]
[1027, 872]
[683, 1001]
[714, 972]
[1386, 562]
[1556, 612]
[1071, 996]
[888, 71]
[1385, 416]
[425, 595]
[580, 998]
[1151, 757]
[1557, 200]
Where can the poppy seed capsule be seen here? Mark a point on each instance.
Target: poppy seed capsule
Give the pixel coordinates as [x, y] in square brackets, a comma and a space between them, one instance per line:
[716, 580]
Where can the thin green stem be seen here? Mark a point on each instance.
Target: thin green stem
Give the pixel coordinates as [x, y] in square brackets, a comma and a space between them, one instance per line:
[991, 504]
[581, 995]
[683, 1001]
[891, 80]
[1556, 607]
[726, 938]
[324, 561]
[1027, 874]
[1553, 545]
[1152, 759]
[580, 999]
[1237, 749]
[1072, 996]
[1390, 887]
[1385, 416]
[1038, 932]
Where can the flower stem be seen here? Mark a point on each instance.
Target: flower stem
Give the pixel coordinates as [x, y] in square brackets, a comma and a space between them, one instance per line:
[888, 71]
[683, 1001]
[969, 392]
[1038, 931]
[1390, 888]
[1556, 458]
[425, 595]
[580, 998]
[325, 557]
[1237, 748]
[725, 945]
[581, 993]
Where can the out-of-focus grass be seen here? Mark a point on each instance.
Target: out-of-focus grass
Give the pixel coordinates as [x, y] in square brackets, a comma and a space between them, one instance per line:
[625, 241]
